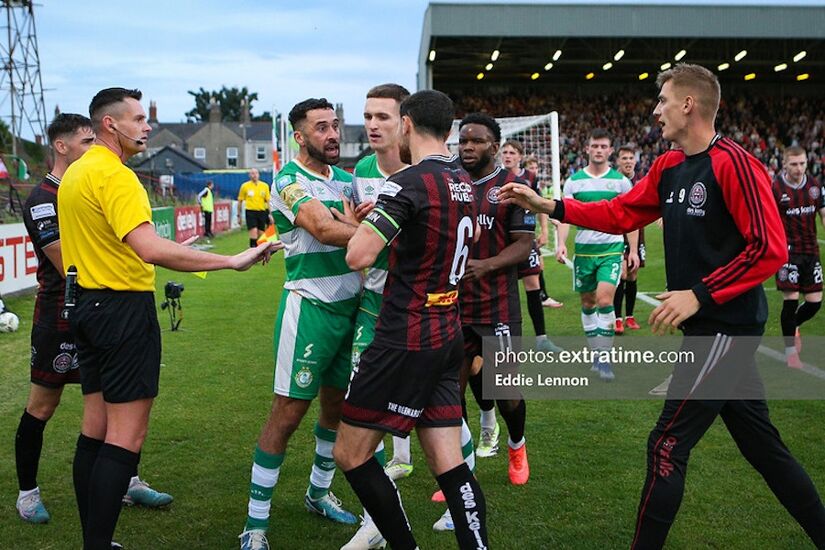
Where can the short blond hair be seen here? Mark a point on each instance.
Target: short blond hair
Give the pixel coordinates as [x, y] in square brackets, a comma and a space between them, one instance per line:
[701, 81]
[792, 151]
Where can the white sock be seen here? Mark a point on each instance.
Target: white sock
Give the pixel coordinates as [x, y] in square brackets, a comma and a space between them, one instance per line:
[488, 419]
[541, 337]
[401, 449]
[23, 494]
[790, 351]
[516, 446]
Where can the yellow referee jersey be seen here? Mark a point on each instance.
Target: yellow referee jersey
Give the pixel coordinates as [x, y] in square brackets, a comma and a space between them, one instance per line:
[100, 201]
[256, 195]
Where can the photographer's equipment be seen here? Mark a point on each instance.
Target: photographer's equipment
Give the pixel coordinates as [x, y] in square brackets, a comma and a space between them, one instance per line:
[70, 293]
[172, 292]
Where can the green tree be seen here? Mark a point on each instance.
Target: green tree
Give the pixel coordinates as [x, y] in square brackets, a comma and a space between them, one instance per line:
[230, 101]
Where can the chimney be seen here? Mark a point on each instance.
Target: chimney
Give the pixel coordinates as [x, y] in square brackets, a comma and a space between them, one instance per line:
[153, 112]
[214, 110]
[245, 118]
[339, 113]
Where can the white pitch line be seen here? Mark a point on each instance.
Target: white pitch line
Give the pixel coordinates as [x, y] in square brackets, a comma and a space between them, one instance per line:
[764, 350]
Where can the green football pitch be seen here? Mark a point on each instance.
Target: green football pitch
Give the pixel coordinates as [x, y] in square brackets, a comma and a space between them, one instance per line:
[587, 458]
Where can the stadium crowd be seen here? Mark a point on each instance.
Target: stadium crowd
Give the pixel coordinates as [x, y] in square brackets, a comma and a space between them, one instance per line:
[761, 125]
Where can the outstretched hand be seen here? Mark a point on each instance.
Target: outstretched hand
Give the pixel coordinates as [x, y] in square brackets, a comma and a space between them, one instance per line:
[522, 195]
[261, 253]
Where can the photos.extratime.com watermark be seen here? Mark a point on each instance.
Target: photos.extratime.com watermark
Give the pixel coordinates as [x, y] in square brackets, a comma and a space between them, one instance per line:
[650, 367]
[615, 355]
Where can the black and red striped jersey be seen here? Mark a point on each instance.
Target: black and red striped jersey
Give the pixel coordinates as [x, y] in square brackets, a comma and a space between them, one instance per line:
[495, 299]
[799, 206]
[40, 219]
[722, 235]
[426, 214]
[531, 178]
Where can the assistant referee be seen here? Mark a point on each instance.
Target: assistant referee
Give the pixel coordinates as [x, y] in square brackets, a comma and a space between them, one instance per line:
[107, 233]
[254, 194]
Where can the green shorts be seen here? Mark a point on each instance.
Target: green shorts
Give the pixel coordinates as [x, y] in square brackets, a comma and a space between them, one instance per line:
[363, 335]
[312, 346]
[589, 271]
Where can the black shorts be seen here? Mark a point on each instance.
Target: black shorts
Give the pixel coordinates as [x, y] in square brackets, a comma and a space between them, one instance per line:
[54, 358]
[257, 219]
[393, 390]
[532, 265]
[502, 332]
[642, 251]
[118, 344]
[802, 273]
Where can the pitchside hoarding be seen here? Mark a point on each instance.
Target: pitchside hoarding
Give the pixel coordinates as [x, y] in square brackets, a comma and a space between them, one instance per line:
[221, 217]
[18, 262]
[188, 222]
[164, 220]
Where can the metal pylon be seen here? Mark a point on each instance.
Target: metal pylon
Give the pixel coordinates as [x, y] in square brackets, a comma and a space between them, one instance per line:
[21, 88]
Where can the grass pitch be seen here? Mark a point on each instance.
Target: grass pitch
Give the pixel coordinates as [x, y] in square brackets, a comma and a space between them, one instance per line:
[587, 457]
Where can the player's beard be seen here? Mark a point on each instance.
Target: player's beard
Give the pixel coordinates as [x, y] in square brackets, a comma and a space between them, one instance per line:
[321, 155]
[404, 150]
[482, 161]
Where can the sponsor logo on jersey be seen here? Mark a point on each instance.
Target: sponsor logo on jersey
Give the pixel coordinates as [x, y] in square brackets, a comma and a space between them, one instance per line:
[460, 191]
[784, 198]
[441, 299]
[486, 221]
[283, 182]
[390, 189]
[44, 210]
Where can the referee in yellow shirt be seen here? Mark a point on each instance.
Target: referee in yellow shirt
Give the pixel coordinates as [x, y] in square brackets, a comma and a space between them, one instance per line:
[107, 233]
[255, 193]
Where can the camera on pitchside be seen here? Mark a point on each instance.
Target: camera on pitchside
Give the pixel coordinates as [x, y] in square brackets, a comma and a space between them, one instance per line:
[172, 292]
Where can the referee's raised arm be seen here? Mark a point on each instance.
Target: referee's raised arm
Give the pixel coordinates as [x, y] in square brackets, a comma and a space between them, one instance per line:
[107, 235]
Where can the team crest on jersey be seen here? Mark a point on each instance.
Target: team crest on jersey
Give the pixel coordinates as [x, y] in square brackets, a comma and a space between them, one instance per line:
[347, 190]
[813, 192]
[303, 377]
[698, 195]
[696, 199]
[492, 195]
[62, 363]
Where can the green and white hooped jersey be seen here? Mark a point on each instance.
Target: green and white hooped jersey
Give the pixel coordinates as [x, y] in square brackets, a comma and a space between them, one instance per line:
[587, 188]
[314, 270]
[366, 186]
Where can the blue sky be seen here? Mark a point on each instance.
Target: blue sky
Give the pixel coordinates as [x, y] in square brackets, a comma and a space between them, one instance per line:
[284, 50]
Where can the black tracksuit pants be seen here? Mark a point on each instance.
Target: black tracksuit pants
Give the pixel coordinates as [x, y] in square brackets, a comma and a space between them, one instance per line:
[723, 381]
